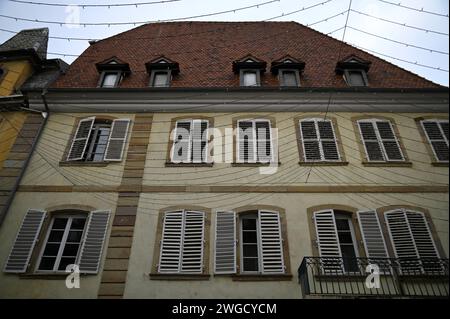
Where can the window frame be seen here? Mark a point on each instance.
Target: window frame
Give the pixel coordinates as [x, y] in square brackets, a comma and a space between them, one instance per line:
[153, 76]
[95, 130]
[319, 139]
[281, 78]
[245, 70]
[48, 230]
[363, 75]
[255, 159]
[190, 150]
[445, 139]
[380, 141]
[241, 217]
[103, 75]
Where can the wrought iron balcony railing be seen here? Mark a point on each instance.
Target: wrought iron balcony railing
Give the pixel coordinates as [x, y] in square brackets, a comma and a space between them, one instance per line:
[374, 277]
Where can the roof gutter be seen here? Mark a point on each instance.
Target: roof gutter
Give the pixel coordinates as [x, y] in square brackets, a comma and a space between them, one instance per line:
[27, 160]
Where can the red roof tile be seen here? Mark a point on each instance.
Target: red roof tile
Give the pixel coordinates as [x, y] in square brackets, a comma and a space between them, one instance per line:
[205, 52]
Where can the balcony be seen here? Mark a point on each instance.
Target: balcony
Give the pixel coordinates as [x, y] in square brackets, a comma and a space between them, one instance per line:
[388, 278]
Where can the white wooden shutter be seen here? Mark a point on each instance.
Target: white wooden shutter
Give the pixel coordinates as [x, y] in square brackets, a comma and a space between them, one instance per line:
[81, 139]
[225, 243]
[193, 240]
[328, 141]
[389, 141]
[310, 140]
[370, 141]
[199, 141]
[26, 239]
[437, 134]
[246, 142]
[117, 139]
[181, 149]
[372, 235]
[171, 242]
[93, 242]
[328, 240]
[263, 141]
[319, 141]
[271, 242]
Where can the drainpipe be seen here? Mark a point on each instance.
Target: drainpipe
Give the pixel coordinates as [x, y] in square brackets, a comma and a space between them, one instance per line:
[27, 160]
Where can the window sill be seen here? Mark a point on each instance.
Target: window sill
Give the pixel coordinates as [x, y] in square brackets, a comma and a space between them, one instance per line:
[260, 277]
[440, 164]
[84, 164]
[181, 277]
[323, 163]
[238, 164]
[387, 164]
[170, 164]
[46, 276]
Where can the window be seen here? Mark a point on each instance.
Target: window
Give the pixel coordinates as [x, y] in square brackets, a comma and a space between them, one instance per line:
[437, 135]
[318, 140]
[63, 242]
[250, 78]
[190, 142]
[336, 240]
[72, 237]
[99, 140]
[110, 79]
[289, 78]
[356, 77]
[260, 243]
[379, 140]
[160, 79]
[181, 248]
[254, 141]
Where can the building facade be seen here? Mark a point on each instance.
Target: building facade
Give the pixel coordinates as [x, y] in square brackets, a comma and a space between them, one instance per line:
[232, 160]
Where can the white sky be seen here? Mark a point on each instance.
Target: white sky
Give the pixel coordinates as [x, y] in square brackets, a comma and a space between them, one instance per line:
[187, 8]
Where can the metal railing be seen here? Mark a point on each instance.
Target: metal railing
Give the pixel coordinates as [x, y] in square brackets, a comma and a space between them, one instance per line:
[374, 277]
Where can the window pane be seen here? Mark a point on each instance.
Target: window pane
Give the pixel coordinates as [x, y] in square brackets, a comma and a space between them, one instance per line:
[350, 262]
[289, 78]
[55, 236]
[59, 223]
[160, 80]
[249, 237]
[250, 79]
[71, 250]
[109, 80]
[250, 250]
[249, 224]
[51, 249]
[356, 78]
[345, 237]
[78, 223]
[250, 264]
[47, 263]
[342, 224]
[66, 261]
[74, 236]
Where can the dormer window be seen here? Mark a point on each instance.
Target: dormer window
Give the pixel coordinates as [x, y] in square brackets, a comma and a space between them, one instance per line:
[112, 71]
[249, 69]
[354, 71]
[161, 70]
[288, 70]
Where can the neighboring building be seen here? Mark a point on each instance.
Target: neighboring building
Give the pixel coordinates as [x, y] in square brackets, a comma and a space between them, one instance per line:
[340, 161]
[23, 65]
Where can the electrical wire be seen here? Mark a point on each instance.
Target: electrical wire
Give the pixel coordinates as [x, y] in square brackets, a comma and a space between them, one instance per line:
[415, 9]
[93, 5]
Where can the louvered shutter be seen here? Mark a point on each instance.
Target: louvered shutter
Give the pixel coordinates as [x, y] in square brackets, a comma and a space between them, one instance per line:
[199, 141]
[192, 245]
[171, 242]
[372, 235]
[182, 142]
[246, 142]
[81, 139]
[328, 141]
[117, 140]
[437, 133]
[389, 141]
[225, 243]
[26, 238]
[271, 242]
[94, 241]
[311, 147]
[263, 141]
[370, 140]
[328, 240]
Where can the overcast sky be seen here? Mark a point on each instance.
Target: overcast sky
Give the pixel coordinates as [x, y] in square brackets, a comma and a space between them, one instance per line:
[188, 8]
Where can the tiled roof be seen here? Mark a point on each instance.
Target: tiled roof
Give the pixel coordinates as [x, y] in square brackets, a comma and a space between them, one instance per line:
[205, 52]
[36, 39]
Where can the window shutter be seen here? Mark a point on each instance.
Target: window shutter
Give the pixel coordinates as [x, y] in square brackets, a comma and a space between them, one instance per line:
[171, 242]
[437, 133]
[389, 141]
[81, 138]
[117, 139]
[225, 242]
[182, 142]
[246, 140]
[328, 241]
[26, 239]
[271, 244]
[311, 148]
[192, 244]
[370, 141]
[94, 240]
[328, 140]
[372, 235]
[264, 143]
[199, 141]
